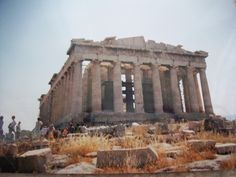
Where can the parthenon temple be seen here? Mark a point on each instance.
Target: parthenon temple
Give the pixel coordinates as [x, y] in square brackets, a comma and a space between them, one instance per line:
[125, 80]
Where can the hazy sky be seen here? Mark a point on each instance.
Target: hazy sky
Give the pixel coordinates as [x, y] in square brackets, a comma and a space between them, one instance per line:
[35, 35]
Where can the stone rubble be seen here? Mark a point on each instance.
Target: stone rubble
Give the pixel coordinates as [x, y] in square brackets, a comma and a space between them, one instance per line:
[226, 148]
[126, 157]
[34, 161]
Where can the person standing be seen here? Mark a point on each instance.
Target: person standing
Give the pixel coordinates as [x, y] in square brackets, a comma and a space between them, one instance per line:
[11, 128]
[1, 129]
[37, 128]
[18, 130]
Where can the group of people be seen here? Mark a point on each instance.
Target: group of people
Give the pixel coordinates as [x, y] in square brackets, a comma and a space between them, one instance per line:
[50, 132]
[14, 129]
[40, 130]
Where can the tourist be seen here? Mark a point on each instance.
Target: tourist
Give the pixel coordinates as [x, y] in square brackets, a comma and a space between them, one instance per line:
[64, 132]
[18, 130]
[71, 128]
[50, 133]
[44, 131]
[37, 129]
[1, 129]
[11, 129]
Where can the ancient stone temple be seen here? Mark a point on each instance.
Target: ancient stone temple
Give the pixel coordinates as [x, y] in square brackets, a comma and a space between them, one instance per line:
[128, 79]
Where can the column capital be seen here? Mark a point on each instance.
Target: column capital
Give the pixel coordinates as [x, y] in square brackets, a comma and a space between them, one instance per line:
[96, 61]
[156, 65]
[190, 68]
[174, 67]
[202, 69]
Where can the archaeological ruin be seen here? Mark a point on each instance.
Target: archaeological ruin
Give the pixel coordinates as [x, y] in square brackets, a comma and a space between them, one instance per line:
[125, 80]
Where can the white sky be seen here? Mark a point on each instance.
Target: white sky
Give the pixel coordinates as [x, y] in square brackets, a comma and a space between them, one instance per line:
[35, 36]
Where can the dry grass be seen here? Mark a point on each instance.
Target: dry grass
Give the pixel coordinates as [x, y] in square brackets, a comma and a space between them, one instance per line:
[219, 138]
[128, 142]
[229, 164]
[140, 130]
[190, 155]
[78, 147]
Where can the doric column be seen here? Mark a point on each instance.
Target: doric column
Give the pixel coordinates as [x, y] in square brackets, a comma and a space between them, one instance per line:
[70, 108]
[96, 87]
[77, 89]
[192, 90]
[186, 94]
[66, 78]
[138, 89]
[62, 96]
[85, 89]
[176, 101]
[56, 103]
[157, 93]
[117, 88]
[198, 93]
[206, 92]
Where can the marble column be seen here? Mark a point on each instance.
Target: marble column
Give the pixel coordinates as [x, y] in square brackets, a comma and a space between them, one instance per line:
[157, 93]
[56, 103]
[205, 92]
[62, 96]
[186, 94]
[59, 102]
[129, 91]
[85, 89]
[96, 87]
[176, 101]
[71, 89]
[117, 88]
[198, 93]
[192, 90]
[65, 94]
[138, 89]
[53, 107]
[77, 89]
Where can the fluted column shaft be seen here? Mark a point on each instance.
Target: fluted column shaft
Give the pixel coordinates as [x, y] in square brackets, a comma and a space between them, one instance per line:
[117, 88]
[192, 91]
[157, 93]
[198, 93]
[77, 89]
[205, 92]
[186, 94]
[66, 94]
[138, 89]
[96, 87]
[176, 101]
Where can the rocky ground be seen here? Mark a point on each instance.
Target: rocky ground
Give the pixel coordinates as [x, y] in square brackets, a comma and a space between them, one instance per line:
[134, 148]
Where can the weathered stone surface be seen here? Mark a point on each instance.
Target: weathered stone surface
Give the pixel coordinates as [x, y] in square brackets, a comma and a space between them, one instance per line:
[59, 161]
[188, 134]
[226, 148]
[79, 168]
[195, 125]
[40, 144]
[126, 157]
[201, 145]
[203, 165]
[34, 161]
[116, 131]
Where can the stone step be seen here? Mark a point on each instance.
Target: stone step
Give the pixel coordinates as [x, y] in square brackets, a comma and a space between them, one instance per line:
[227, 148]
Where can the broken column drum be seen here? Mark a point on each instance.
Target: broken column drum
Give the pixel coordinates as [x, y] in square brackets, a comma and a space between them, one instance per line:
[128, 79]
